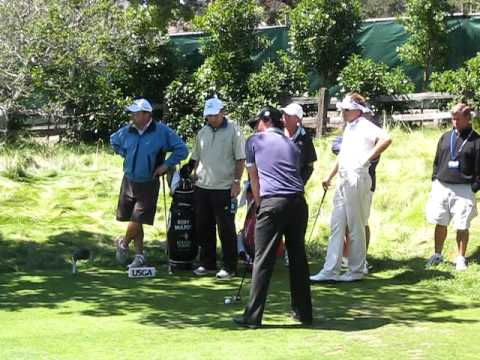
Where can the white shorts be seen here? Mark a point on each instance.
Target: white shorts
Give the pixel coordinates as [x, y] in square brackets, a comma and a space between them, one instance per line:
[449, 202]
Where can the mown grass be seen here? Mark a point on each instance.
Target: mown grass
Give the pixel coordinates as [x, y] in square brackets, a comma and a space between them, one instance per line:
[56, 199]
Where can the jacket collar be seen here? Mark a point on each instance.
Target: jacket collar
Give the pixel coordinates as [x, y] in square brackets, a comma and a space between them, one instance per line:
[150, 128]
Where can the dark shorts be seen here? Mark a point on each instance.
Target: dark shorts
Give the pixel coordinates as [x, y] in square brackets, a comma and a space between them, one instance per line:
[138, 201]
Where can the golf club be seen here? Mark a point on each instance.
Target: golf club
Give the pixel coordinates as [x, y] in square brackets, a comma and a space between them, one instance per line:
[80, 254]
[318, 213]
[232, 299]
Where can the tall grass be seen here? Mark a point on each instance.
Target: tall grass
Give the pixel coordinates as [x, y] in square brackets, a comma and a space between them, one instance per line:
[52, 192]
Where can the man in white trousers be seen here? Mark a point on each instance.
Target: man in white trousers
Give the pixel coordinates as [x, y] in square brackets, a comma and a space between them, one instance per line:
[362, 142]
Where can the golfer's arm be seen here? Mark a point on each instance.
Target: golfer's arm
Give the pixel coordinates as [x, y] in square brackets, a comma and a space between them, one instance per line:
[253, 173]
[333, 172]
[379, 147]
[239, 166]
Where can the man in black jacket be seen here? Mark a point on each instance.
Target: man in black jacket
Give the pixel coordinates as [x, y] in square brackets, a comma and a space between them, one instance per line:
[456, 171]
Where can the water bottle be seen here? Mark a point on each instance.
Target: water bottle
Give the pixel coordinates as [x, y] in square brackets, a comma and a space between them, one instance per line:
[233, 205]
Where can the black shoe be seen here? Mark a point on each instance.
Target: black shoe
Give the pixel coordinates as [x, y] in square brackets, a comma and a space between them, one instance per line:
[296, 316]
[240, 321]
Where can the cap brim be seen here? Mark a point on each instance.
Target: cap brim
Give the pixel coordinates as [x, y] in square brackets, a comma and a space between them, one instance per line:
[132, 108]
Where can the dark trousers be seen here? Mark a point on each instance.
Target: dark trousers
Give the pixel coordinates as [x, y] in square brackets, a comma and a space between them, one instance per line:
[279, 216]
[212, 208]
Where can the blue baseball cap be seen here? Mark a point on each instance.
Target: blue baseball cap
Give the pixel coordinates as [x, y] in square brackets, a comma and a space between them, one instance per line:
[213, 106]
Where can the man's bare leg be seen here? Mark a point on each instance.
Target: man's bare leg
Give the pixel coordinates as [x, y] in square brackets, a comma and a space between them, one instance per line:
[439, 237]
[135, 232]
[462, 241]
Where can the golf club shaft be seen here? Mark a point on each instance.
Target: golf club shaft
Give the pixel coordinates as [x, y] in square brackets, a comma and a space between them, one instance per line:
[318, 213]
[241, 282]
[165, 208]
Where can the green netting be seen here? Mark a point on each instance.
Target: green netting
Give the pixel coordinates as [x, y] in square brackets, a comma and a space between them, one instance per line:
[378, 40]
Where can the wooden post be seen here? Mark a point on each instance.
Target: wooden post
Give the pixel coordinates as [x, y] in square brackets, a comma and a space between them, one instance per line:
[321, 119]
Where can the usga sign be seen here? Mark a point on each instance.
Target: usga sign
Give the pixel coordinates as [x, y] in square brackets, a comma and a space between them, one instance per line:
[141, 272]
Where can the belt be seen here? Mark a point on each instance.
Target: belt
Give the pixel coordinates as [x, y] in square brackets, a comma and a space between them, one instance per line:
[283, 196]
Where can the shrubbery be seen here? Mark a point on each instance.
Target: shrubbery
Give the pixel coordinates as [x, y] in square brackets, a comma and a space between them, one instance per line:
[372, 79]
[463, 83]
[231, 41]
[77, 61]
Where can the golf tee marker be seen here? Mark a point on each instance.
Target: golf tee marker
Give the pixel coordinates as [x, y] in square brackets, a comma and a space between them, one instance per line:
[141, 272]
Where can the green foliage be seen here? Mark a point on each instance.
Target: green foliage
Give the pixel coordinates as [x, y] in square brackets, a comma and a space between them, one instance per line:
[323, 34]
[463, 83]
[229, 70]
[184, 103]
[371, 79]
[425, 21]
[284, 76]
[231, 40]
[79, 61]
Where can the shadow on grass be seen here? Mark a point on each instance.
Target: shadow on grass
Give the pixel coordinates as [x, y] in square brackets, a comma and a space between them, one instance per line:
[101, 289]
[56, 252]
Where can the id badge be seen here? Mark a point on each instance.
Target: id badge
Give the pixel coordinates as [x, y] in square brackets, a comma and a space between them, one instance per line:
[453, 164]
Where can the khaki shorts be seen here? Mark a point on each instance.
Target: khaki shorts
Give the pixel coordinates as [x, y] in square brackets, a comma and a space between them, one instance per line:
[138, 201]
[451, 202]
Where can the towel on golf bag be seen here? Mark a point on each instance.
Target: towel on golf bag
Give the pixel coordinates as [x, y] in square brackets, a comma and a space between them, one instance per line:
[246, 236]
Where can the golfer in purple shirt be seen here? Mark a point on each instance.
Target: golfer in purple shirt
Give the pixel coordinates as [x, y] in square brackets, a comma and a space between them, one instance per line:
[273, 165]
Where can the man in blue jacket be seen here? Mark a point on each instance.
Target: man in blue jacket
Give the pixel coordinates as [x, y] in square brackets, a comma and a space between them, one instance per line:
[143, 144]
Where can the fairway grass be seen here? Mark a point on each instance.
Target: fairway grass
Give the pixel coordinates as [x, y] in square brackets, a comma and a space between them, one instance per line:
[54, 200]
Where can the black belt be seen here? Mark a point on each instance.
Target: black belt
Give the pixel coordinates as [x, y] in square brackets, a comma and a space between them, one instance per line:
[283, 196]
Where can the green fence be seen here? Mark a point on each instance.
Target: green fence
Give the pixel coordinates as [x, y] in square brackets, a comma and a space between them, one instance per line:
[378, 40]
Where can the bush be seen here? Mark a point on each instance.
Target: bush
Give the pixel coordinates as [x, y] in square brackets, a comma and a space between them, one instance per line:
[463, 83]
[372, 79]
[79, 60]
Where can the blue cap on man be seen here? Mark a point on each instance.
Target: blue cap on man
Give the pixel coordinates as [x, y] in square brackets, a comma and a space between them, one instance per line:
[213, 106]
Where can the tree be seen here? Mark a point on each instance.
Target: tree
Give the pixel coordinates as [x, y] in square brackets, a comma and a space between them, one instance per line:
[323, 34]
[78, 61]
[381, 8]
[425, 21]
[231, 39]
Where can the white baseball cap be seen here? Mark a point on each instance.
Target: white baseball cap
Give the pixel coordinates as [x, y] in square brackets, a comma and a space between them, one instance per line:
[293, 109]
[213, 106]
[140, 105]
[349, 104]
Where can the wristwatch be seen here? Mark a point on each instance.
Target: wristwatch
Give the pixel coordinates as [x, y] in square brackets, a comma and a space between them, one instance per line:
[237, 181]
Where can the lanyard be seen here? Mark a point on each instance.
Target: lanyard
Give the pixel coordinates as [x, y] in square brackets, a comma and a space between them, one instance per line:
[453, 150]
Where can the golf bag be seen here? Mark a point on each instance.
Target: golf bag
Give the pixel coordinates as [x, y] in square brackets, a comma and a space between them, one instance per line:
[246, 236]
[182, 246]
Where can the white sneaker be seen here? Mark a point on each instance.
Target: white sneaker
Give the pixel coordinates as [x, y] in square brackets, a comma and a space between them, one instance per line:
[202, 271]
[121, 252]
[323, 276]
[351, 276]
[365, 268]
[435, 259]
[138, 261]
[223, 274]
[460, 263]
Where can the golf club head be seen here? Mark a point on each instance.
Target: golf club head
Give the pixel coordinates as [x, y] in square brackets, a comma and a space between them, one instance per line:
[236, 298]
[81, 254]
